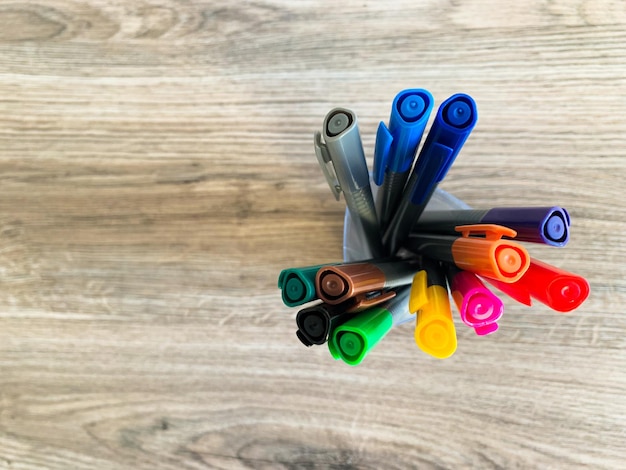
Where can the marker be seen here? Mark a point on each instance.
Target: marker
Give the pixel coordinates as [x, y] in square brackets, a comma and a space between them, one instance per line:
[338, 283]
[434, 329]
[558, 289]
[490, 256]
[342, 160]
[549, 225]
[314, 323]
[455, 119]
[396, 147]
[478, 306]
[298, 284]
[353, 340]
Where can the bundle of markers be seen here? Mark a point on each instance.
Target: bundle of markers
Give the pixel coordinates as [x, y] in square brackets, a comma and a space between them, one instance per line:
[411, 260]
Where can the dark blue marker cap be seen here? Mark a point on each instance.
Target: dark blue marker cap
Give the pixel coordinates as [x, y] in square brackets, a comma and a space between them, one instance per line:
[549, 225]
[455, 119]
[556, 227]
[397, 144]
[458, 113]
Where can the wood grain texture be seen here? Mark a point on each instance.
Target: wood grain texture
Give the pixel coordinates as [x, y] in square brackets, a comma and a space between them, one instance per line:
[157, 173]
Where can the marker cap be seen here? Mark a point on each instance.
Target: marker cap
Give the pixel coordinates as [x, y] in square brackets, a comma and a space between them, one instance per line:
[454, 121]
[397, 144]
[353, 340]
[418, 296]
[477, 305]
[549, 225]
[336, 284]
[458, 113]
[411, 105]
[434, 331]
[298, 285]
[490, 257]
[559, 289]
[314, 324]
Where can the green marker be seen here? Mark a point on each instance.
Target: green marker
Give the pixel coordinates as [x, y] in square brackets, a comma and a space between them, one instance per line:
[354, 339]
[298, 284]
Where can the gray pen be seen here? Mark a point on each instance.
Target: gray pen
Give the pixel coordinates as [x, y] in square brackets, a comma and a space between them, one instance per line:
[342, 159]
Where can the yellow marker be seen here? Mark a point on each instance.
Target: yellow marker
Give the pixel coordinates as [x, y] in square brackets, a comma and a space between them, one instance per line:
[434, 329]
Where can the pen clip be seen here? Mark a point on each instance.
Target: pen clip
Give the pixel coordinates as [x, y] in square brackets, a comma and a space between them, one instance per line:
[326, 163]
[432, 165]
[491, 231]
[418, 297]
[381, 153]
[361, 302]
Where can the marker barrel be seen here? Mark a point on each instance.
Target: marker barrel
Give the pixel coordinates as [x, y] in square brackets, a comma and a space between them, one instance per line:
[343, 142]
[548, 225]
[314, 323]
[298, 285]
[453, 123]
[498, 259]
[478, 307]
[353, 340]
[558, 289]
[396, 147]
[336, 284]
[435, 333]
[388, 197]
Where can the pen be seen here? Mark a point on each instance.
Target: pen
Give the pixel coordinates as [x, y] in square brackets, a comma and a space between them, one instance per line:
[478, 307]
[315, 322]
[549, 225]
[490, 256]
[298, 284]
[455, 119]
[434, 329]
[335, 284]
[558, 289]
[353, 340]
[396, 147]
[342, 160]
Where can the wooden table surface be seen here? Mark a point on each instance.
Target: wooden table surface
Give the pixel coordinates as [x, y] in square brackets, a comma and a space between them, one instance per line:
[158, 172]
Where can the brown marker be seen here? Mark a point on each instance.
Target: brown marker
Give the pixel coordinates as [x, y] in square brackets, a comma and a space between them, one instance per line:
[336, 284]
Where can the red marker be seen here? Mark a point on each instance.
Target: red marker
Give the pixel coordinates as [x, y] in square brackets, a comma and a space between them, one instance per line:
[558, 289]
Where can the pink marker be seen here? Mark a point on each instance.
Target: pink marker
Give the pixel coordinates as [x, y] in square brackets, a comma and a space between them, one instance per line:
[478, 306]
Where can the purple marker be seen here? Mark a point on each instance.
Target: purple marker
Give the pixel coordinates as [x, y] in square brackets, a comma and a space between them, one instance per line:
[549, 225]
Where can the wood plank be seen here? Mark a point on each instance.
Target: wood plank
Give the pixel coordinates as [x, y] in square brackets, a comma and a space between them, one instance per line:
[158, 172]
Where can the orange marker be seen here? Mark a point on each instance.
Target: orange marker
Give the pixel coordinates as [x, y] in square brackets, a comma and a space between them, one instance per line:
[479, 249]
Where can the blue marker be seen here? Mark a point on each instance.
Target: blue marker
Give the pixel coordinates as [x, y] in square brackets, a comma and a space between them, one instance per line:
[396, 147]
[455, 119]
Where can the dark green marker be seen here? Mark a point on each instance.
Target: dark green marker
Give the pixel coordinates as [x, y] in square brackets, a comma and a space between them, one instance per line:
[298, 284]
